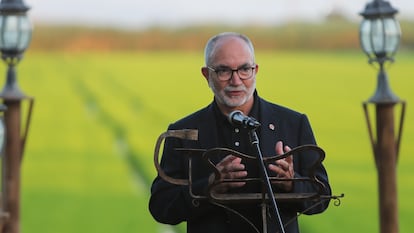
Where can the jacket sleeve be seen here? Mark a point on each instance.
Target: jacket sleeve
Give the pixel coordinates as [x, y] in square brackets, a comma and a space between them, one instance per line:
[169, 203]
[303, 164]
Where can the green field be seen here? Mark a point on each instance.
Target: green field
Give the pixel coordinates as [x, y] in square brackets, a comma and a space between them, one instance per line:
[88, 160]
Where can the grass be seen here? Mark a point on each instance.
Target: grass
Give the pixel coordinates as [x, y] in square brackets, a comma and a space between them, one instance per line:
[88, 161]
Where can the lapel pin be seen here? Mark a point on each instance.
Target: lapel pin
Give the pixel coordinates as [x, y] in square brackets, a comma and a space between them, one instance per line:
[271, 126]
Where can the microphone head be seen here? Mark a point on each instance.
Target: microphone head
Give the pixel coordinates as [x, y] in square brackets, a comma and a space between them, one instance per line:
[233, 115]
[238, 118]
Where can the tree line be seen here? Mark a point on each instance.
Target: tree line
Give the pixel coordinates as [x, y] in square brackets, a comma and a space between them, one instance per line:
[329, 35]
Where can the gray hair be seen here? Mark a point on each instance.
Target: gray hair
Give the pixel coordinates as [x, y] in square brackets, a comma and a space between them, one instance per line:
[211, 44]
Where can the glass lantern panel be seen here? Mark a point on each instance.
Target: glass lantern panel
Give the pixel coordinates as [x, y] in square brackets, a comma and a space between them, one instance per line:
[365, 36]
[392, 35]
[15, 32]
[10, 32]
[26, 32]
[377, 36]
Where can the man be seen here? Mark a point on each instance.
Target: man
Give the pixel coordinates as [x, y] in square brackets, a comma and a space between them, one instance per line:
[230, 71]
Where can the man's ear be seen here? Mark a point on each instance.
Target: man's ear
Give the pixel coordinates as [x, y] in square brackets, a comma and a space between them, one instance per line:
[205, 72]
[256, 69]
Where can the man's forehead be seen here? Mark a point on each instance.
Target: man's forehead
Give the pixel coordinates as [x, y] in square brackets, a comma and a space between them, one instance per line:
[229, 40]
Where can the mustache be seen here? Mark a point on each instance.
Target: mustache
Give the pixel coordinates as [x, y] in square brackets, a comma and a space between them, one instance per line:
[239, 88]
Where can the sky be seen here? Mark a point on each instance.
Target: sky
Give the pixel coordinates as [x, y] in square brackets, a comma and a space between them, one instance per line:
[147, 13]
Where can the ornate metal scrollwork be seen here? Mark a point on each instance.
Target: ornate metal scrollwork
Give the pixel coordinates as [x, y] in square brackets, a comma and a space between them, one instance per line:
[223, 199]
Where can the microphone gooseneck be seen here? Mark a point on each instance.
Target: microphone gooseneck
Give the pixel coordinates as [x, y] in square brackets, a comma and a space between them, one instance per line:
[239, 119]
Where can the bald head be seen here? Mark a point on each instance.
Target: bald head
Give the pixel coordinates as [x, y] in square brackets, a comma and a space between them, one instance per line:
[214, 42]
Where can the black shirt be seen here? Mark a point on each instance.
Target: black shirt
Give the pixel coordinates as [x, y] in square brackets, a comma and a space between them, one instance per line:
[237, 138]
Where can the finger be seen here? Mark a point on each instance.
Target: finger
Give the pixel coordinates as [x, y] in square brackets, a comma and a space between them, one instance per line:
[237, 175]
[235, 164]
[234, 167]
[287, 148]
[237, 184]
[227, 160]
[283, 163]
[289, 160]
[291, 172]
[276, 168]
[279, 148]
[229, 164]
[283, 168]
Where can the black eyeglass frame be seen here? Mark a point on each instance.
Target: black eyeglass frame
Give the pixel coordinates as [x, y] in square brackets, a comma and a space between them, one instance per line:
[241, 76]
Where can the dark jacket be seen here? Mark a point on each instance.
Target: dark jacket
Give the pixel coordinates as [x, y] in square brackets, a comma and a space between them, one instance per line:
[172, 204]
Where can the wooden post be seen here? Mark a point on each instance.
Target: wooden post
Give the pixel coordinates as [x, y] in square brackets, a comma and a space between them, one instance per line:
[15, 139]
[11, 165]
[386, 147]
[386, 161]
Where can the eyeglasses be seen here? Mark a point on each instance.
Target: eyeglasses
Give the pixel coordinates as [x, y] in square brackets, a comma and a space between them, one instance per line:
[226, 73]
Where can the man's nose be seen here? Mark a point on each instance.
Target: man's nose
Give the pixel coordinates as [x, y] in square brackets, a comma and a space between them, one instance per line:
[235, 78]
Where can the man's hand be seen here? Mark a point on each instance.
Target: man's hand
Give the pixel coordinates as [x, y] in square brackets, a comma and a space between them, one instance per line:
[283, 167]
[230, 168]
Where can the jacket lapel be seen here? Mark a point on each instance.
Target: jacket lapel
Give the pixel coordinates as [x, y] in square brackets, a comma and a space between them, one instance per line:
[207, 131]
[268, 129]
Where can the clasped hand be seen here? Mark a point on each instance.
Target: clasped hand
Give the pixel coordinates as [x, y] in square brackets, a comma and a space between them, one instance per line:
[231, 167]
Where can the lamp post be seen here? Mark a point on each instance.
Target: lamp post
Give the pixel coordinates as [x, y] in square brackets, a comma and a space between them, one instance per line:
[15, 36]
[4, 216]
[380, 37]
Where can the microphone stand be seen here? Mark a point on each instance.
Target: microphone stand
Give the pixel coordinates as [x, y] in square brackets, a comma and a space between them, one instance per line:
[254, 139]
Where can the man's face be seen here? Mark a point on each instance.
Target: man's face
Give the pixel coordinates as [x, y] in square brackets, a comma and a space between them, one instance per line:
[232, 53]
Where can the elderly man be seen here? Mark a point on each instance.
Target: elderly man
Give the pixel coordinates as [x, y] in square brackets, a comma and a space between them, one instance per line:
[230, 70]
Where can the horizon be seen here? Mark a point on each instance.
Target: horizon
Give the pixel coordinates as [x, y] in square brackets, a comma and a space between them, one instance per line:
[145, 14]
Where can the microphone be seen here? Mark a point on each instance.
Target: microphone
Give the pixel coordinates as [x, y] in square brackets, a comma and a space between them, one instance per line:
[238, 118]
